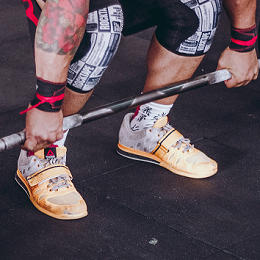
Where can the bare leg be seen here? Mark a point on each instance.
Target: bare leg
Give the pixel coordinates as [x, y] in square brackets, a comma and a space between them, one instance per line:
[73, 102]
[165, 67]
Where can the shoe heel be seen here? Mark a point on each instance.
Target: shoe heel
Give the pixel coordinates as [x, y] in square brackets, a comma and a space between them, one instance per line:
[136, 156]
[21, 184]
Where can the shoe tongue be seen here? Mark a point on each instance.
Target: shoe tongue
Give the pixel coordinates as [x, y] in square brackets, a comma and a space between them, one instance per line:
[51, 152]
[161, 122]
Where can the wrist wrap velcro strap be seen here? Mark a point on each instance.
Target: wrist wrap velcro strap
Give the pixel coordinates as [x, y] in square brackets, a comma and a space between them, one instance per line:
[48, 97]
[243, 40]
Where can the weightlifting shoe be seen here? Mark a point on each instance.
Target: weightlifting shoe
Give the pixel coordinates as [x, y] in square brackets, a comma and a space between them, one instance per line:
[164, 146]
[47, 181]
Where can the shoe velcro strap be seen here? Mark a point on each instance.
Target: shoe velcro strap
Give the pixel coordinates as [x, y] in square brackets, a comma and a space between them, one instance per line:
[47, 173]
[169, 139]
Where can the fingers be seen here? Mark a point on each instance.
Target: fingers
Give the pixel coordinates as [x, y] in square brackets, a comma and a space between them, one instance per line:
[42, 129]
[233, 82]
[255, 77]
[29, 145]
[256, 74]
[244, 67]
[34, 143]
[241, 80]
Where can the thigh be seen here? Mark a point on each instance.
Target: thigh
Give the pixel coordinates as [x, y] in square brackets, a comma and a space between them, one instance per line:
[138, 15]
[185, 27]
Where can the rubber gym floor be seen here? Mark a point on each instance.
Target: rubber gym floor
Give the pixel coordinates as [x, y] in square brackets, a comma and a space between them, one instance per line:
[136, 210]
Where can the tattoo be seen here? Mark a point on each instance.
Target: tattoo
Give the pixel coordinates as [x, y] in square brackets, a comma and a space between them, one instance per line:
[62, 26]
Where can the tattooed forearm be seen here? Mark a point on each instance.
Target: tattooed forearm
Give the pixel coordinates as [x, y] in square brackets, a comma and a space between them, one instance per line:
[61, 26]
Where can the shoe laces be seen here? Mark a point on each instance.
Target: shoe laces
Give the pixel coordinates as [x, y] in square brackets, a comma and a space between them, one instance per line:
[181, 142]
[184, 141]
[164, 130]
[61, 181]
[52, 161]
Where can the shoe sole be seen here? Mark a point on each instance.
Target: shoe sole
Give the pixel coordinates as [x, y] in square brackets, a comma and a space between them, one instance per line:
[24, 185]
[137, 155]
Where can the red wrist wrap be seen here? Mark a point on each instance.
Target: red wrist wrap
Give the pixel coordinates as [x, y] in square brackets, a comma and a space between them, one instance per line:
[243, 40]
[48, 97]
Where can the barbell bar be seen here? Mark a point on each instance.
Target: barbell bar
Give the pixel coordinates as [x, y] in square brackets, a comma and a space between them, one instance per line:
[76, 120]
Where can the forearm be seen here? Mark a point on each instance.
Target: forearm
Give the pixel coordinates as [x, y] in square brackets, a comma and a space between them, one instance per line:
[58, 35]
[241, 13]
[59, 32]
[240, 57]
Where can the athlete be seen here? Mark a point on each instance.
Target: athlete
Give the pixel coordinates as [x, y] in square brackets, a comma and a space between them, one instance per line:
[74, 42]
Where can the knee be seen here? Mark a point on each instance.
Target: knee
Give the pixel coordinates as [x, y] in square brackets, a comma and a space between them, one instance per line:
[190, 28]
[177, 22]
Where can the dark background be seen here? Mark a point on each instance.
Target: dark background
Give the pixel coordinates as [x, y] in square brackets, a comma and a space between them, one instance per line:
[132, 203]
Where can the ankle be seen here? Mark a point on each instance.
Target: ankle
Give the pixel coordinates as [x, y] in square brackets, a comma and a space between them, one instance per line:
[146, 115]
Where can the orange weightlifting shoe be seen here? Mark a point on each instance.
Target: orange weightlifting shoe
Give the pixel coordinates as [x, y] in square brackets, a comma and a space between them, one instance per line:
[164, 146]
[47, 181]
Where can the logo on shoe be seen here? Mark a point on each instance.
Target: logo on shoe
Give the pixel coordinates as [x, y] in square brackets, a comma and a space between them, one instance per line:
[50, 153]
